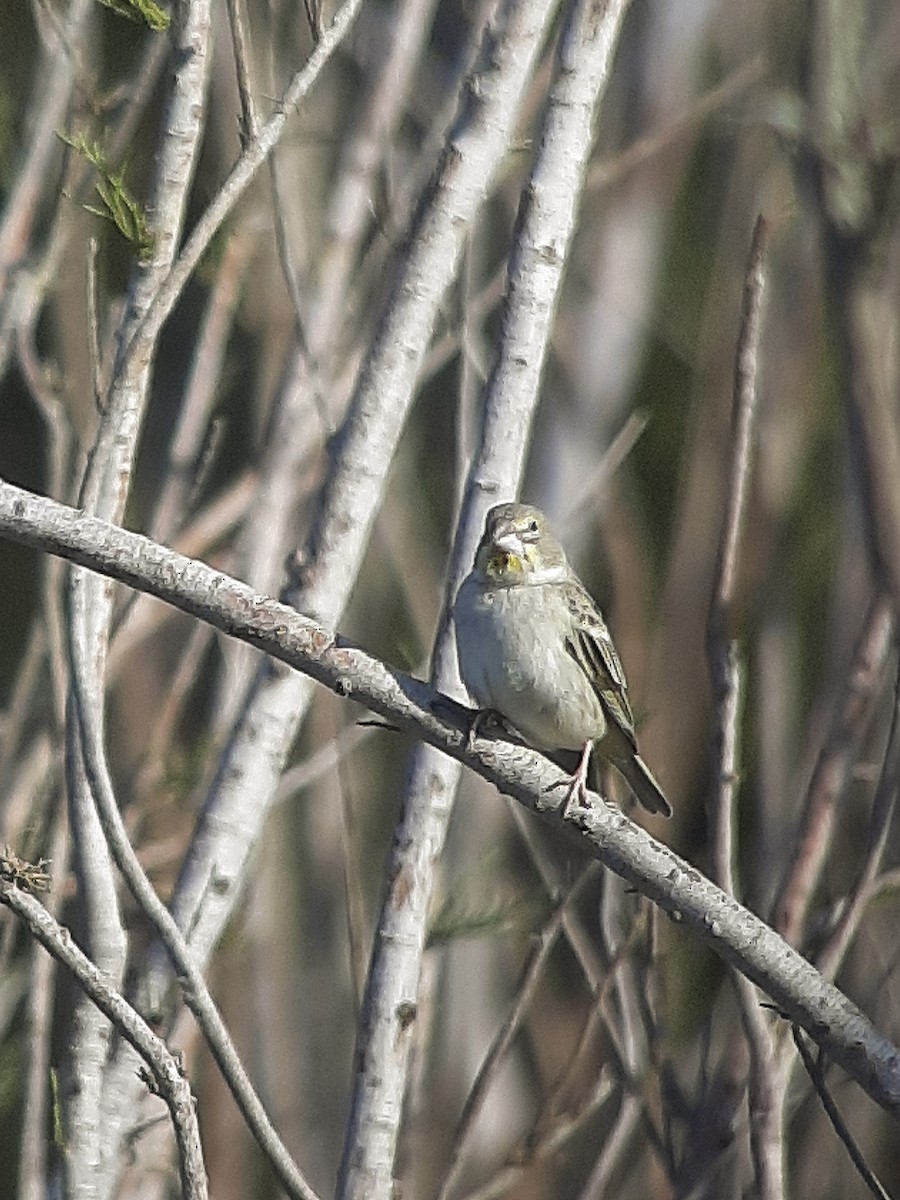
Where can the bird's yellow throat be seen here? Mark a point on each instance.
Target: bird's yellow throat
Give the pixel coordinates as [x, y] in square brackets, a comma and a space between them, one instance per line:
[504, 565]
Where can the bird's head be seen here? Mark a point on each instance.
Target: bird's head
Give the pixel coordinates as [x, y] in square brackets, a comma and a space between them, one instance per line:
[517, 546]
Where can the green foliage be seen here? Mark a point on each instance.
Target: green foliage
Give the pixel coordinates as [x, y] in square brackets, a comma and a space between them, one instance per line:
[142, 12]
[119, 205]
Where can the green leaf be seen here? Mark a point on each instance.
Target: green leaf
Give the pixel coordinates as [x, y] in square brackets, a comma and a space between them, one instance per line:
[142, 12]
[119, 206]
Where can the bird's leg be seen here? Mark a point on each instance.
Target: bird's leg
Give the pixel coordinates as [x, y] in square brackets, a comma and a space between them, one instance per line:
[576, 787]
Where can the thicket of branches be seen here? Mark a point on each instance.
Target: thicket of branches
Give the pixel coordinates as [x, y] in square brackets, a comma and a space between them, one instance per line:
[297, 293]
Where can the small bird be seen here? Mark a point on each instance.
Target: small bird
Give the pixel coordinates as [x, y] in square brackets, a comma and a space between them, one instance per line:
[533, 647]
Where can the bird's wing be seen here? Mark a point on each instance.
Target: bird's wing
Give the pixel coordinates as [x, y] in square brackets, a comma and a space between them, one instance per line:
[590, 644]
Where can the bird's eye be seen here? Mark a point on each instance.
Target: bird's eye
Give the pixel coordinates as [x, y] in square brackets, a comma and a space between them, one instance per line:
[533, 527]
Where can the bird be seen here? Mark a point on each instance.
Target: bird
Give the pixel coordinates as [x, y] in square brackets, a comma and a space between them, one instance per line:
[533, 647]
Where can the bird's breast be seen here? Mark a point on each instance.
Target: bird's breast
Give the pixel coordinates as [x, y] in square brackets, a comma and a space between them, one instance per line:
[512, 658]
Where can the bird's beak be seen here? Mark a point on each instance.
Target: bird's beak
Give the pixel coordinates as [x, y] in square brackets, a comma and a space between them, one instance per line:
[509, 543]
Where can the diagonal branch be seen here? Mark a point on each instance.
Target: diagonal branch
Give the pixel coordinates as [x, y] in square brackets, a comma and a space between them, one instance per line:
[735, 934]
[167, 1075]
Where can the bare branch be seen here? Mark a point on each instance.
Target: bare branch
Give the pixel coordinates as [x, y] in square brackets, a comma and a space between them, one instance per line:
[532, 971]
[239, 179]
[734, 933]
[832, 771]
[546, 221]
[173, 1087]
[721, 648]
[727, 675]
[814, 1068]
[196, 994]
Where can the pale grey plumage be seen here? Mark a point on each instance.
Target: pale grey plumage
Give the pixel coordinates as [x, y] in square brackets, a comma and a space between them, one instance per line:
[533, 646]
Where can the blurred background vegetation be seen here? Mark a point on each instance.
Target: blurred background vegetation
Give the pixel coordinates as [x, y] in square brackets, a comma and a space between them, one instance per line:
[715, 112]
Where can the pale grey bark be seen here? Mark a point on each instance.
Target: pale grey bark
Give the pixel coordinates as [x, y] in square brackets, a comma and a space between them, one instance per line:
[63, 41]
[362, 452]
[166, 1072]
[800, 993]
[546, 220]
[104, 492]
[246, 782]
[642, 342]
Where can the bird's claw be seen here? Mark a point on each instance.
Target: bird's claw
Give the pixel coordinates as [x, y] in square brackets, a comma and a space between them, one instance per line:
[576, 792]
[576, 786]
[483, 716]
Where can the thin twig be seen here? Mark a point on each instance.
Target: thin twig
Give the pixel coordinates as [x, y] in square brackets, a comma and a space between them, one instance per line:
[734, 933]
[362, 160]
[240, 177]
[721, 649]
[601, 972]
[727, 677]
[33, 1163]
[200, 392]
[610, 171]
[93, 325]
[250, 128]
[615, 1143]
[167, 1074]
[210, 526]
[832, 771]
[815, 1070]
[324, 759]
[249, 123]
[589, 494]
[532, 971]
[196, 994]
[550, 1142]
[834, 951]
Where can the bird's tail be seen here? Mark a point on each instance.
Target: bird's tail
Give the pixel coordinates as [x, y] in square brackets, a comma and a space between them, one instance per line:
[644, 786]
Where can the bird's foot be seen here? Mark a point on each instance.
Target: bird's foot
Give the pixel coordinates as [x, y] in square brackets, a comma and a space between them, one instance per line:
[576, 787]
